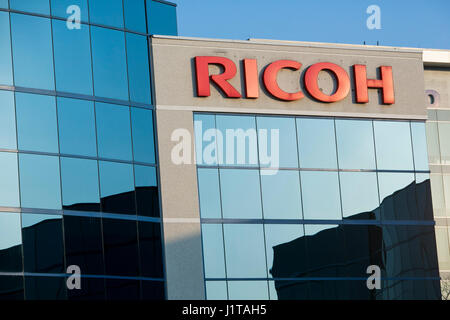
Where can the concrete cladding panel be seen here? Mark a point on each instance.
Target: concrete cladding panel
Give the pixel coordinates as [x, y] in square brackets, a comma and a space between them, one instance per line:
[175, 77]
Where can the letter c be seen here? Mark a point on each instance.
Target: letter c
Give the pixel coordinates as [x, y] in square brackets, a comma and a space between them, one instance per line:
[270, 79]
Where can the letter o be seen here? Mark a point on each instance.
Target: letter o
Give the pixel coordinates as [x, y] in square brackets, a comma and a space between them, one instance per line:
[342, 78]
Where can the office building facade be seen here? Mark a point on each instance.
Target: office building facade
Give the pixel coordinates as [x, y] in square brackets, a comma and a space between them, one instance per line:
[180, 168]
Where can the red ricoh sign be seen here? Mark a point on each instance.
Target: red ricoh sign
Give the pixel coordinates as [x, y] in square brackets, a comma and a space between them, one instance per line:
[250, 76]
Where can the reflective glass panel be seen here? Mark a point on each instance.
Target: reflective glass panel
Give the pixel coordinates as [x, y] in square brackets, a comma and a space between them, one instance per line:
[248, 290]
[393, 145]
[83, 244]
[281, 195]
[241, 196]
[317, 143]
[109, 63]
[205, 139]
[9, 180]
[60, 8]
[153, 290]
[72, 58]
[121, 247]
[209, 193]
[161, 18]
[419, 140]
[134, 11]
[35, 6]
[36, 122]
[32, 34]
[4, 4]
[245, 259]
[41, 232]
[117, 187]
[113, 131]
[7, 120]
[446, 185]
[138, 68]
[91, 289]
[80, 184]
[359, 193]
[216, 290]
[443, 251]
[389, 182]
[278, 237]
[106, 12]
[147, 197]
[122, 289]
[437, 190]
[45, 288]
[5, 50]
[434, 155]
[320, 195]
[11, 287]
[355, 144]
[150, 249]
[277, 140]
[444, 132]
[323, 248]
[143, 140]
[76, 122]
[240, 146]
[39, 181]
[213, 251]
[10, 242]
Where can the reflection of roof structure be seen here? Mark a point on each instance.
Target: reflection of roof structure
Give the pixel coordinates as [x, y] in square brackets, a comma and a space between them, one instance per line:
[347, 251]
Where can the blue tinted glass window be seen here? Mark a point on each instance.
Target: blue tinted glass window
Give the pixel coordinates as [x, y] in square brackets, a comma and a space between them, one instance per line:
[117, 187]
[320, 195]
[240, 146]
[248, 290]
[390, 182]
[79, 179]
[241, 196]
[147, 197]
[76, 122]
[419, 140]
[393, 145]
[60, 8]
[216, 290]
[39, 181]
[72, 58]
[45, 288]
[5, 50]
[143, 141]
[209, 193]
[317, 144]
[355, 144]
[35, 6]
[245, 259]
[7, 120]
[4, 4]
[43, 246]
[134, 12]
[106, 12]
[138, 69]
[277, 139]
[161, 18]
[10, 243]
[109, 63]
[9, 180]
[113, 131]
[205, 139]
[213, 251]
[32, 34]
[151, 249]
[277, 234]
[359, 192]
[281, 195]
[36, 122]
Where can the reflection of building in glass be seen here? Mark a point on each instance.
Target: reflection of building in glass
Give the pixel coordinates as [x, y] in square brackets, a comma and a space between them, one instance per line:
[404, 253]
[78, 164]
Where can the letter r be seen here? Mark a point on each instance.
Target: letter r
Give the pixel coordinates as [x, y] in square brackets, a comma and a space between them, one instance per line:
[221, 80]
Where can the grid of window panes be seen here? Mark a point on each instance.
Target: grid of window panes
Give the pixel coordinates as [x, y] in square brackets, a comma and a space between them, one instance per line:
[78, 168]
[438, 134]
[344, 194]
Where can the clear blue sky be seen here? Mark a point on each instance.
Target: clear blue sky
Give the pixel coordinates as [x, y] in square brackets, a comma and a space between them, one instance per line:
[409, 23]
